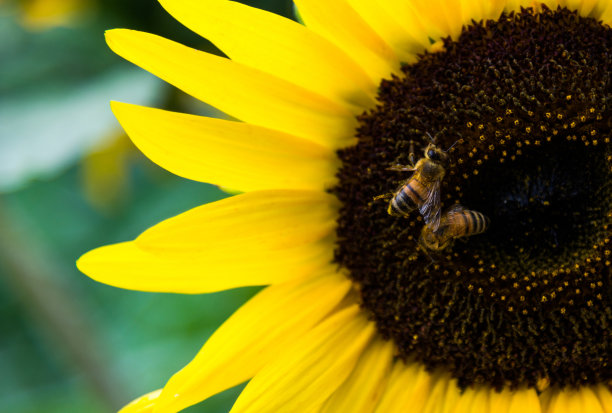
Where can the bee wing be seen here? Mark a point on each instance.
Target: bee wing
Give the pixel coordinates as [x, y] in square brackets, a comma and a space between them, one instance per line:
[455, 208]
[451, 213]
[430, 210]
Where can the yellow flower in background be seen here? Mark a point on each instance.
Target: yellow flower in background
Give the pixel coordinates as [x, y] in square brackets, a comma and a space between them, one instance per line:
[357, 315]
[105, 172]
[43, 14]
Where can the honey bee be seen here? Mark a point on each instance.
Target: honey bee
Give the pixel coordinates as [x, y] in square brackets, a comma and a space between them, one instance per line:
[422, 189]
[457, 222]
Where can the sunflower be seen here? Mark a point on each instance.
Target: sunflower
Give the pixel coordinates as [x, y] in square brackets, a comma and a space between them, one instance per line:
[359, 313]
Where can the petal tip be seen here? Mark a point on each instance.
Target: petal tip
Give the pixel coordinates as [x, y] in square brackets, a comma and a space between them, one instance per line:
[143, 404]
[119, 107]
[92, 262]
[111, 34]
[115, 38]
[82, 261]
[86, 263]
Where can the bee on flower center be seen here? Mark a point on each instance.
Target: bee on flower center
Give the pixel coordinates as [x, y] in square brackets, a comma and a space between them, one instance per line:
[457, 222]
[422, 189]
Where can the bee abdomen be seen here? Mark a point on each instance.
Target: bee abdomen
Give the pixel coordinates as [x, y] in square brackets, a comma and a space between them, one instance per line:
[406, 200]
[477, 222]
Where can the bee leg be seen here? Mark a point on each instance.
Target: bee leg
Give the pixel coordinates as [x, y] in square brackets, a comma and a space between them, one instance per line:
[412, 156]
[401, 168]
[391, 212]
[383, 196]
[386, 197]
[424, 249]
[431, 260]
[399, 300]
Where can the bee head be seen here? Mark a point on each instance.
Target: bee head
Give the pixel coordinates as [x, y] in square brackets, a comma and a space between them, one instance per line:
[431, 240]
[435, 154]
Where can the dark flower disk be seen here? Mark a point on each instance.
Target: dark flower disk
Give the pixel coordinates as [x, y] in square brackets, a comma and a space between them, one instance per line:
[526, 102]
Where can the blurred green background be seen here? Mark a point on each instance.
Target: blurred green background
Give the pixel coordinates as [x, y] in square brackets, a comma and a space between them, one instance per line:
[71, 181]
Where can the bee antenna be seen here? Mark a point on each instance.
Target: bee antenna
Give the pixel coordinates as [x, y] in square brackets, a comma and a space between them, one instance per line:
[431, 138]
[451, 147]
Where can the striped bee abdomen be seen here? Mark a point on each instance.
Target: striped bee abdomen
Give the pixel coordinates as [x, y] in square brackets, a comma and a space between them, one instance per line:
[407, 199]
[473, 223]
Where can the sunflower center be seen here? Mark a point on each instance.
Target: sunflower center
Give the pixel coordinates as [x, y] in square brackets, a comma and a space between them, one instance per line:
[523, 103]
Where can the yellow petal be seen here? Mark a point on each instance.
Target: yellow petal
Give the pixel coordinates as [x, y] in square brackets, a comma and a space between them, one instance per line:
[143, 404]
[479, 10]
[406, 39]
[439, 391]
[450, 397]
[570, 4]
[308, 372]
[463, 403]
[240, 91]
[231, 154]
[362, 390]
[606, 12]
[253, 336]
[246, 223]
[604, 395]
[524, 401]
[590, 401]
[408, 385]
[410, 12]
[471, 10]
[257, 238]
[278, 46]
[546, 397]
[339, 23]
[480, 403]
[493, 9]
[584, 7]
[499, 402]
[570, 401]
[551, 4]
[442, 17]
[597, 9]
[515, 5]
[473, 399]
